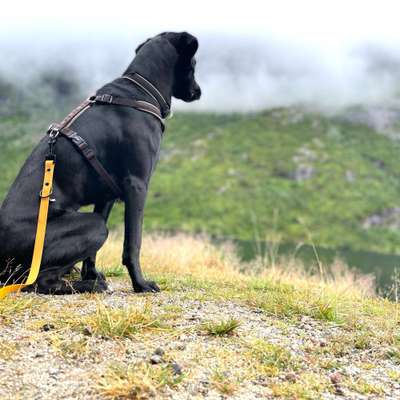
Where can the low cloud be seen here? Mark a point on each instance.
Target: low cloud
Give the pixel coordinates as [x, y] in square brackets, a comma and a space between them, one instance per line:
[235, 73]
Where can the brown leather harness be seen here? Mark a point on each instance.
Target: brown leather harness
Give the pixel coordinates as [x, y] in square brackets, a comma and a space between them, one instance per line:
[160, 110]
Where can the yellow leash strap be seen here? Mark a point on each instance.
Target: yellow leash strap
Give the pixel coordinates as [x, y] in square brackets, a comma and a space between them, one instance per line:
[45, 194]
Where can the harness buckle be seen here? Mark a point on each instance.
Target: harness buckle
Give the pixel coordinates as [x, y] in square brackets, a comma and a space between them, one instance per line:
[106, 98]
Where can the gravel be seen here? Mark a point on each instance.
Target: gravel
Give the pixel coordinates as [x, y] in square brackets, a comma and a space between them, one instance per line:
[37, 369]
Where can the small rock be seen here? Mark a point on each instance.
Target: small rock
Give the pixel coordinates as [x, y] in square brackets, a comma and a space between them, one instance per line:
[87, 332]
[176, 368]
[323, 343]
[159, 351]
[53, 371]
[291, 377]
[335, 378]
[47, 327]
[155, 359]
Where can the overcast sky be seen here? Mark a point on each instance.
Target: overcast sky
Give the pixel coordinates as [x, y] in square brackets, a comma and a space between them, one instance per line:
[315, 36]
[312, 21]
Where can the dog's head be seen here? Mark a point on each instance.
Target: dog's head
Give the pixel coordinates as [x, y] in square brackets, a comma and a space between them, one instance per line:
[185, 86]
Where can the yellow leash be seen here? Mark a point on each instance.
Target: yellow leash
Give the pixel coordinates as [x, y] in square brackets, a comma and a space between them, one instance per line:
[45, 194]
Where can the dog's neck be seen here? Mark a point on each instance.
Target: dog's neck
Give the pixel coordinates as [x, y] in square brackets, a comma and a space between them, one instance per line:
[159, 70]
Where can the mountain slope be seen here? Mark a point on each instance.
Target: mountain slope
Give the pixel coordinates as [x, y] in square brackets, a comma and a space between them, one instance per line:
[284, 173]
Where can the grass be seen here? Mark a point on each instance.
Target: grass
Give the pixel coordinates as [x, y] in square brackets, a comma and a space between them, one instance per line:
[14, 305]
[116, 323]
[114, 271]
[70, 349]
[139, 381]
[8, 349]
[361, 386]
[221, 328]
[282, 290]
[223, 382]
[273, 358]
[310, 386]
[285, 291]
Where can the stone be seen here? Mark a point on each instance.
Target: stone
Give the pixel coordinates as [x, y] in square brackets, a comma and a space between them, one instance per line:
[156, 359]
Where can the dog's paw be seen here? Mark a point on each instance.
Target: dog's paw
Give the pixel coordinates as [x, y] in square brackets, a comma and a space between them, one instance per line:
[101, 276]
[90, 285]
[146, 287]
[100, 285]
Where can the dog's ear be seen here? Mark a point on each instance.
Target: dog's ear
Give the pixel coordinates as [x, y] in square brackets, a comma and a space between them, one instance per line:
[189, 44]
[186, 44]
[141, 45]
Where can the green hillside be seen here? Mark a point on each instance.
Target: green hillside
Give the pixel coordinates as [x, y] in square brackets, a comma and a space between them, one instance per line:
[284, 173]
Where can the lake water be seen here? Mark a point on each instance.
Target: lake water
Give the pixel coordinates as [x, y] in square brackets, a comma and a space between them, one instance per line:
[382, 266]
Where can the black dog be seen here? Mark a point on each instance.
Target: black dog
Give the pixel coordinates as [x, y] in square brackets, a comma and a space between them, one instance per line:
[127, 143]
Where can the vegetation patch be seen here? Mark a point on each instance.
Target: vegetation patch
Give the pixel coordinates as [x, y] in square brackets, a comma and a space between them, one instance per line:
[309, 386]
[139, 381]
[118, 323]
[351, 174]
[221, 328]
[273, 358]
[223, 382]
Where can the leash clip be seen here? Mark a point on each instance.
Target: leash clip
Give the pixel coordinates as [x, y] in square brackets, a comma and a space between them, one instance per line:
[53, 131]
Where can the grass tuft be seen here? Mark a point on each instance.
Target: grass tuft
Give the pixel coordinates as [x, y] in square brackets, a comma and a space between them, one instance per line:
[273, 358]
[222, 381]
[14, 304]
[222, 328]
[137, 382]
[117, 323]
[8, 349]
[308, 387]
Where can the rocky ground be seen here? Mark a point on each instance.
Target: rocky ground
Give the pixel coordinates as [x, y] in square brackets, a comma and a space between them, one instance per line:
[179, 345]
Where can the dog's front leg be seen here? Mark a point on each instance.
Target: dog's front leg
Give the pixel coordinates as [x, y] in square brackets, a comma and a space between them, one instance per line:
[89, 271]
[135, 190]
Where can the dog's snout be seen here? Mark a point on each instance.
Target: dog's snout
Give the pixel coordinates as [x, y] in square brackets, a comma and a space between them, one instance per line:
[196, 93]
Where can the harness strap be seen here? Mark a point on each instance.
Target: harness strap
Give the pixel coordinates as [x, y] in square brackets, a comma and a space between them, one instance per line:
[47, 189]
[74, 114]
[90, 156]
[122, 101]
[151, 90]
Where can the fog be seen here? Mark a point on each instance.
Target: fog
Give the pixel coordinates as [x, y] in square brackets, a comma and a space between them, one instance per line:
[346, 55]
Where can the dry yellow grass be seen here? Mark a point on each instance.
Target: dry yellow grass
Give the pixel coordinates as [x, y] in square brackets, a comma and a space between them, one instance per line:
[283, 288]
[197, 257]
